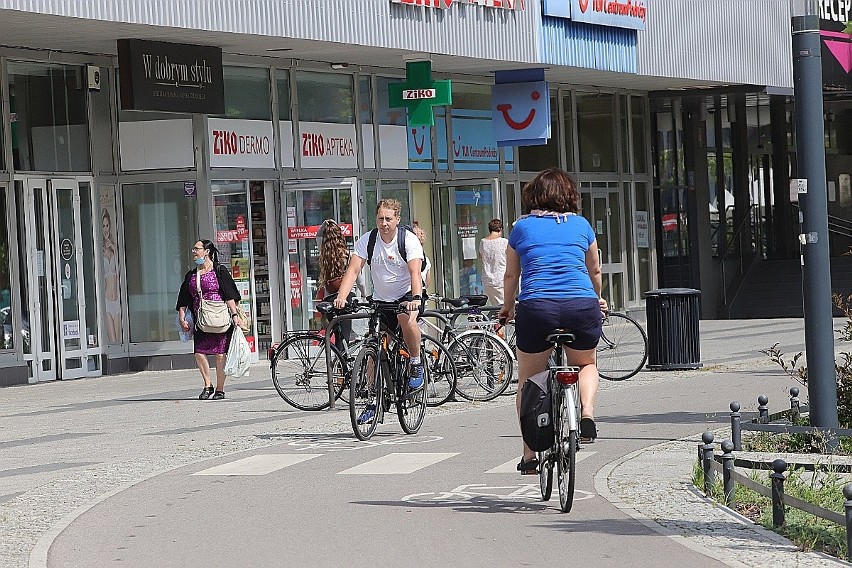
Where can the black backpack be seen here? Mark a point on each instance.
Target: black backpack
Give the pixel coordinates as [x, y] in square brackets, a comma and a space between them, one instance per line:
[400, 243]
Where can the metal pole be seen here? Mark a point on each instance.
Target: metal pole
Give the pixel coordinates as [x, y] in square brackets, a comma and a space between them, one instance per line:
[779, 466]
[727, 472]
[707, 461]
[762, 409]
[813, 207]
[794, 404]
[736, 427]
[847, 493]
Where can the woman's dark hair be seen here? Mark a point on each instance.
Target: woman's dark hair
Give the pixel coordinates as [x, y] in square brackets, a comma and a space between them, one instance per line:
[495, 225]
[212, 251]
[551, 190]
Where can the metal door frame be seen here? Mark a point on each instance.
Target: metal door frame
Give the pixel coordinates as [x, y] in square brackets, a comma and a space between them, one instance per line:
[334, 184]
[497, 206]
[50, 264]
[610, 268]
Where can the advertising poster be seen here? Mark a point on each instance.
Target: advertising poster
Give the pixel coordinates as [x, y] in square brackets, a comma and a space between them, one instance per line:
[109, 266]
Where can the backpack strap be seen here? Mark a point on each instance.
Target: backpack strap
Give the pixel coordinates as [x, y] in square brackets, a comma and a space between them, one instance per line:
[371, 245]
[400, 243]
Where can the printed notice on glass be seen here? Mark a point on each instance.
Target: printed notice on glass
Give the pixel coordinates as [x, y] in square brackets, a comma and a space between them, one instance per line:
[469, 248]
[642, 235]
[71, 329]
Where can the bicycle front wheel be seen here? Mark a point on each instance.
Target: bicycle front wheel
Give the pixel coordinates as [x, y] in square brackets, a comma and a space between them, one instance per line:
[623, 348]
[411, 405]
[439, 369]
[299, 371]
[365, 393]
[484, 364]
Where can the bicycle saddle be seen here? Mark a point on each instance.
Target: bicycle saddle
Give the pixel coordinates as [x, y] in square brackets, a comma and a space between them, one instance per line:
[561, 337]
[455, 302]
[476, 300]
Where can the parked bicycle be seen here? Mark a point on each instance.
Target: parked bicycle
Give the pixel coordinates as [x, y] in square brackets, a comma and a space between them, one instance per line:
[623, 347]
[565, 396]
[484, 362]
[380, 378]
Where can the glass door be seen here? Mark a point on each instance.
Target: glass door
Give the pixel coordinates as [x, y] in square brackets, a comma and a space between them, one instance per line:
[603, 206]
[464, 210]
[53, 282]
[306, 206]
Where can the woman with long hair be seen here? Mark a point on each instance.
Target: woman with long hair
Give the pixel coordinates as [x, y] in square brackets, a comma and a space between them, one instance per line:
[216, 284]
[334, 259]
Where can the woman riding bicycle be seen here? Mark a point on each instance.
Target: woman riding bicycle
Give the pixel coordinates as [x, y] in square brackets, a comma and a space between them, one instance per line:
[555, 250]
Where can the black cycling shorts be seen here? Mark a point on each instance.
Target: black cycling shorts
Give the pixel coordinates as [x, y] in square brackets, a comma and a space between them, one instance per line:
[536, 319]
[388, 319]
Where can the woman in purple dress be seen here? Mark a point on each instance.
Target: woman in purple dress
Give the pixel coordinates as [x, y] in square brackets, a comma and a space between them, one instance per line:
[216, 284]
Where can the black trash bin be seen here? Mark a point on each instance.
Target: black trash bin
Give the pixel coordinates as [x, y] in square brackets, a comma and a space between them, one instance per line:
[673, 341]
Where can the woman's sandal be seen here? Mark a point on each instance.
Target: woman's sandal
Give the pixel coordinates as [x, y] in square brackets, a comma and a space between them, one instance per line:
[588, 430]
[205, 393]
[528, 467]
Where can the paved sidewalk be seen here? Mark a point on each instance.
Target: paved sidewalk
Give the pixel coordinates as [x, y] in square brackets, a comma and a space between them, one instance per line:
[67, 445]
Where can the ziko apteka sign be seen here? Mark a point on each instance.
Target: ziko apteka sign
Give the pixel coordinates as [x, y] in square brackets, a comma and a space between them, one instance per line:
[170, 77]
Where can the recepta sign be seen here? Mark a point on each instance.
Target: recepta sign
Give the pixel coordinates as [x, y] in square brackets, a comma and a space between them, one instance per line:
[170, 77]
[502, 4]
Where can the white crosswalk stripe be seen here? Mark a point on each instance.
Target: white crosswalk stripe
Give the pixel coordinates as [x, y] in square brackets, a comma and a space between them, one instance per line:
[261, 464]
[397, 464]
[511, 466]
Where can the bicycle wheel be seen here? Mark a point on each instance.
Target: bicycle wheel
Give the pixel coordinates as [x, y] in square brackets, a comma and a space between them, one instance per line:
[545, 475]
[509, 336]
[623, 348]
[566, 450]
[299, 371]
[440, 371]
[485, 367]
[411, 405]
[365, 393]
[352, 349]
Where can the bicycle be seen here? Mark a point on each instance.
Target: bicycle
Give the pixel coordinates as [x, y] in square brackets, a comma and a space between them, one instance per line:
[300, 369]
[380, 378]
[484, 362]
[623, 348]
[565, 399]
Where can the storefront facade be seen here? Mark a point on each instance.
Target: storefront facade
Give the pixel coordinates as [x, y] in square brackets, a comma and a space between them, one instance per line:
[103, 196]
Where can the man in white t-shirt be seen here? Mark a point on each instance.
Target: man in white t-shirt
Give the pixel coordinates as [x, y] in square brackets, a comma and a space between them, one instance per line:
[394, 279]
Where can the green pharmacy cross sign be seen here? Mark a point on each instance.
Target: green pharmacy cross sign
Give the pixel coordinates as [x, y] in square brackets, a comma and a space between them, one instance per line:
[419, 93]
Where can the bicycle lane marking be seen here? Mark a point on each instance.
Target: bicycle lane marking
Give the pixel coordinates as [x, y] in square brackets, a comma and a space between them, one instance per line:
[397, 464]
[482, 493]
[350, 444]
[511, 466]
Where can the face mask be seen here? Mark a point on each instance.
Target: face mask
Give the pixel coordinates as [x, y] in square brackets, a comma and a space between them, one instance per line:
[199, 261]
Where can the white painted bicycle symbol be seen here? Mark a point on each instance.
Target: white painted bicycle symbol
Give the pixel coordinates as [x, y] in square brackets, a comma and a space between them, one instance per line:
[480, 493]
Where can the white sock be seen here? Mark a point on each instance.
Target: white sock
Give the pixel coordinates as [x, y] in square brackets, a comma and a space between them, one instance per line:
[415, 360]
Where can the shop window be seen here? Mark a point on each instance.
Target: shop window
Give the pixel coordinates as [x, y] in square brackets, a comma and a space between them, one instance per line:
[639, 126]
[282, 82]
[596, 132]
[537, 158]
[370, 201]
[567, 130]
[473, 143]
[49, 118]
[365, 98]
[160, 227]
[7, 339]
[325, 97]
[247, 93]
[384, 113]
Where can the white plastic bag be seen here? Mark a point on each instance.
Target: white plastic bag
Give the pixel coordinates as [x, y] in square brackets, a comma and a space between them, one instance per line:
[237, 360]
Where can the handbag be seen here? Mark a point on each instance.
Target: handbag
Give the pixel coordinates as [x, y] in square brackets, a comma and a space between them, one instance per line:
[213, 315]
[333, 285]
[245, 318]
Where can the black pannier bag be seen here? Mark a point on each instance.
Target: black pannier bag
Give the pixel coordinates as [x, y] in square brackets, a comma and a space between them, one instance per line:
[537, 413]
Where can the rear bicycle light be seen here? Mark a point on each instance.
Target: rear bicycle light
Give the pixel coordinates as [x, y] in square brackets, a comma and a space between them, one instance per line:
[568, 376]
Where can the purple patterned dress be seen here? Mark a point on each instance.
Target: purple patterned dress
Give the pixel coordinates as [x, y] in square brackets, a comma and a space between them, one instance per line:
[208, 343]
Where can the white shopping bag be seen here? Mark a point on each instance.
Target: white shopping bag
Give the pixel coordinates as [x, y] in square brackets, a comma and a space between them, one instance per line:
[237, 360]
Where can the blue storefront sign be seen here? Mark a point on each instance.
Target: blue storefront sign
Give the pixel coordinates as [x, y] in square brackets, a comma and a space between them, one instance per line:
[521, 113]
[629, 14]
[474, 145]
[420, 143]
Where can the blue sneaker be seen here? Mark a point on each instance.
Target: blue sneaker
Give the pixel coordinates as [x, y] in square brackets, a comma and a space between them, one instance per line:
[368, 415]
[415, 379]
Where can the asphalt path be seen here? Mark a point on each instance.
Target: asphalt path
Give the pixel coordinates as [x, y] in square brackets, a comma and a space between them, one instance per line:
[314, 499]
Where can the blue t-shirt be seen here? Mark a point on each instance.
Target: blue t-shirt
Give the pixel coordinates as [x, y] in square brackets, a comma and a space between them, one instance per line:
[553, 256]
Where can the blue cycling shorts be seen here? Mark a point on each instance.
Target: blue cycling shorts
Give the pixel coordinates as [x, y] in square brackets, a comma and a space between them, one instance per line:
[536, 319]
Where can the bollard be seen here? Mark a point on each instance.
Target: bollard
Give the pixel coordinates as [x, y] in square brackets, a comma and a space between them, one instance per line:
[794, 404]
[779, 466]
[736, 430]
[847, 492]
[727, 472]
[706, 461]
[763, 409]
